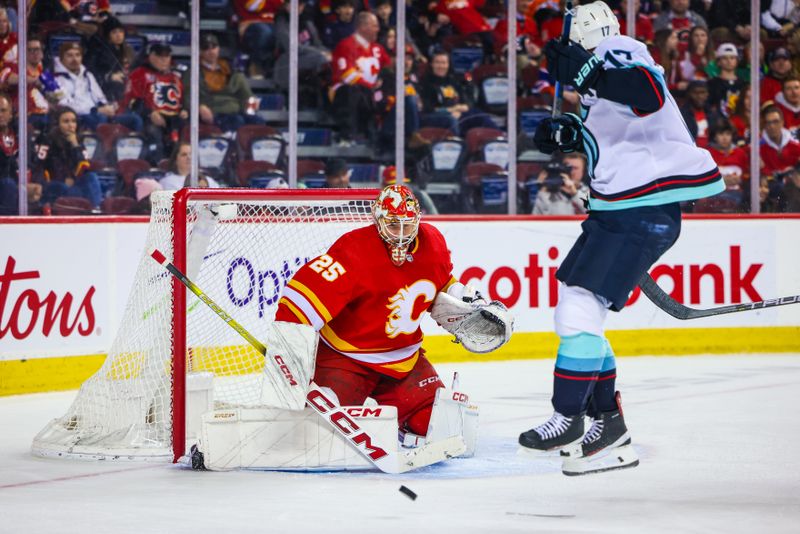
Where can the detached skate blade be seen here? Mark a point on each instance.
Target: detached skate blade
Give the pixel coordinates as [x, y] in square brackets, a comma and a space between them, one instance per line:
[609, 460]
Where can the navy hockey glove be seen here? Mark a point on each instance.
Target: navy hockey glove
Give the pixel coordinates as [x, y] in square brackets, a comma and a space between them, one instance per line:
[571, 64]
[562, 133]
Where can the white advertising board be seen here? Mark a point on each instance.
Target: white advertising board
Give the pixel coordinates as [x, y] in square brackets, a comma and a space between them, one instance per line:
[63, 287]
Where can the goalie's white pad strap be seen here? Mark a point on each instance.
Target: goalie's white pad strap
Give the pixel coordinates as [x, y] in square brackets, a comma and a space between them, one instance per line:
[291, 355]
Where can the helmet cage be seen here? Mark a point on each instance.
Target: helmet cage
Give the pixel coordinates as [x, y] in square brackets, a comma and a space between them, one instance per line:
[397, 215]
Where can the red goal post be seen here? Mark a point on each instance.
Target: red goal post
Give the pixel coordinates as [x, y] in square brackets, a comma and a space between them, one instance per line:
[237, 244]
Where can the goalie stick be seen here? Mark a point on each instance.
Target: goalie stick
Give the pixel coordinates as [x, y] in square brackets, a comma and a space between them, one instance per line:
[386, 459]
[661, 298]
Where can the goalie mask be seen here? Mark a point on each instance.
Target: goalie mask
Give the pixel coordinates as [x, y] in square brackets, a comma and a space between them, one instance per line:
[592, 23]
[397, 213]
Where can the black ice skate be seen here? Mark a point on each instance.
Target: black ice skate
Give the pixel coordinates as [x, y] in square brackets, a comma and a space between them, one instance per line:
[558, 432]
[605, 447]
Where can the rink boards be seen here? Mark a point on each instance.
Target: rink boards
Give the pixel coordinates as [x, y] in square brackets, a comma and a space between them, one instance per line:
[64, 284]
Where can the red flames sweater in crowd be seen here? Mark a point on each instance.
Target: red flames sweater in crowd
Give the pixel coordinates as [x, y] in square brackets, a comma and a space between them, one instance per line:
[151, 90]
[358, 62]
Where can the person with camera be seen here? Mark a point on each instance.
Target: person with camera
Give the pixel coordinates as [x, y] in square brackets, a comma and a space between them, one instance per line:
[561, 187]
[643, 163]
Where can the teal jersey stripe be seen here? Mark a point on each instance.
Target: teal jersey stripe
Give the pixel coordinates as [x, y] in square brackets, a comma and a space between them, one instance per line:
[581, 365]
[582, 352]
[660, 198]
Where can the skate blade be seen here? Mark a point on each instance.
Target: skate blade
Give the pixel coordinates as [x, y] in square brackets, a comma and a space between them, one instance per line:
[609, 460]
[555, 452]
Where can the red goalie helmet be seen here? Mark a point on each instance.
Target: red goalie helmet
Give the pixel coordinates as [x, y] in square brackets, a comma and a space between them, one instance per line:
[397, 213]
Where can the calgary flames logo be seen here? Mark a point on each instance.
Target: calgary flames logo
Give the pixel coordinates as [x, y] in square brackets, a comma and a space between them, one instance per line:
[401, 319]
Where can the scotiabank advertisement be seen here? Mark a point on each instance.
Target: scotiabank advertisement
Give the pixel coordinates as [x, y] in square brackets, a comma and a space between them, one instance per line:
[63, 287]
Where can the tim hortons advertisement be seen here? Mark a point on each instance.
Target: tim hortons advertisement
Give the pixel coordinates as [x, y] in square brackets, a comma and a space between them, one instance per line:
[63, 287]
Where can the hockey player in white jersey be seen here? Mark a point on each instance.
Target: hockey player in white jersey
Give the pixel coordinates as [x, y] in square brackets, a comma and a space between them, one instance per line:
[642, 163]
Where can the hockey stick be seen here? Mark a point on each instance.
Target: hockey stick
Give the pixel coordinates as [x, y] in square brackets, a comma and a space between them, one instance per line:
[660, 298]
[386, 459]
[565, 28]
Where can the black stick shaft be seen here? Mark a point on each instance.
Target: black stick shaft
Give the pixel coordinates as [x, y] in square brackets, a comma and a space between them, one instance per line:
[661, 298]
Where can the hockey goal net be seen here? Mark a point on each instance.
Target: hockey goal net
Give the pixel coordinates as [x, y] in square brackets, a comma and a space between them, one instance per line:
[240, 247]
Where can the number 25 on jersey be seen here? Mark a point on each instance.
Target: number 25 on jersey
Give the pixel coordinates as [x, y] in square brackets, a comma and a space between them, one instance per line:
[327, 267]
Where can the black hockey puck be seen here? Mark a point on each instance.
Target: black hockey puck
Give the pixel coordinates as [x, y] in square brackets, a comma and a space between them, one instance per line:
[408, 493]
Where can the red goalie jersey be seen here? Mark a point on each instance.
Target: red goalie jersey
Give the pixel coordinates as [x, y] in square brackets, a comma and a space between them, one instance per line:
[363, 306]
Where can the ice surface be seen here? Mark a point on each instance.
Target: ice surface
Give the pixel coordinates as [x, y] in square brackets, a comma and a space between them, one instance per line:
[717, 437]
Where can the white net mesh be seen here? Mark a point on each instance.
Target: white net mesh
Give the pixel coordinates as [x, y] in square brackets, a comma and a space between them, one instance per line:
[240, 252]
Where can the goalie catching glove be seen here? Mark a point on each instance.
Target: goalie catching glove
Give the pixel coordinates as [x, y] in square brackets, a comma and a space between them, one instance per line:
[479, 326]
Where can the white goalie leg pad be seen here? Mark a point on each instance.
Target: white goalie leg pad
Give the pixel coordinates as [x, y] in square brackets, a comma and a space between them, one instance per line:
[453, 415]
[279, 439]
[579, 310]
[291, 355]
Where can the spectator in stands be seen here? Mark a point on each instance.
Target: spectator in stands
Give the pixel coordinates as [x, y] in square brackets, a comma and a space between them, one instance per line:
[698, 55]
[445, 103]
[791, 191]
[337, 175]
[548, 19]
[427, 27]
[43, 90]
[467, 20]
[83, 94]
[525, 26]
[313, 59]
[225, 96]
[180, 167]
[726, 86]
[343, 26]
[79, 16]
[665, 53]
[779, 17]
[383, 10]
[733, 161]
[110, 59]
[60, 163]
[8, 40]
[732, 15]
[145, 187]
[779, 150]
[789, 102]
[678, 17]
[697, 112]
[740, 118]
[155, 92]
[357, 61]
[413, 105]
[561, 191]
[9, 166]
[644, 26]
[256, 33]
[780, 68]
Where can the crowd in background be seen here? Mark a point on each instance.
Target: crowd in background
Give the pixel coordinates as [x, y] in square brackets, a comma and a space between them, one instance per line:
[108, 108]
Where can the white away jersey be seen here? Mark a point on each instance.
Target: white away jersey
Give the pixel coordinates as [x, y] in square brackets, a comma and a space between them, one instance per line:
[640, 159]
